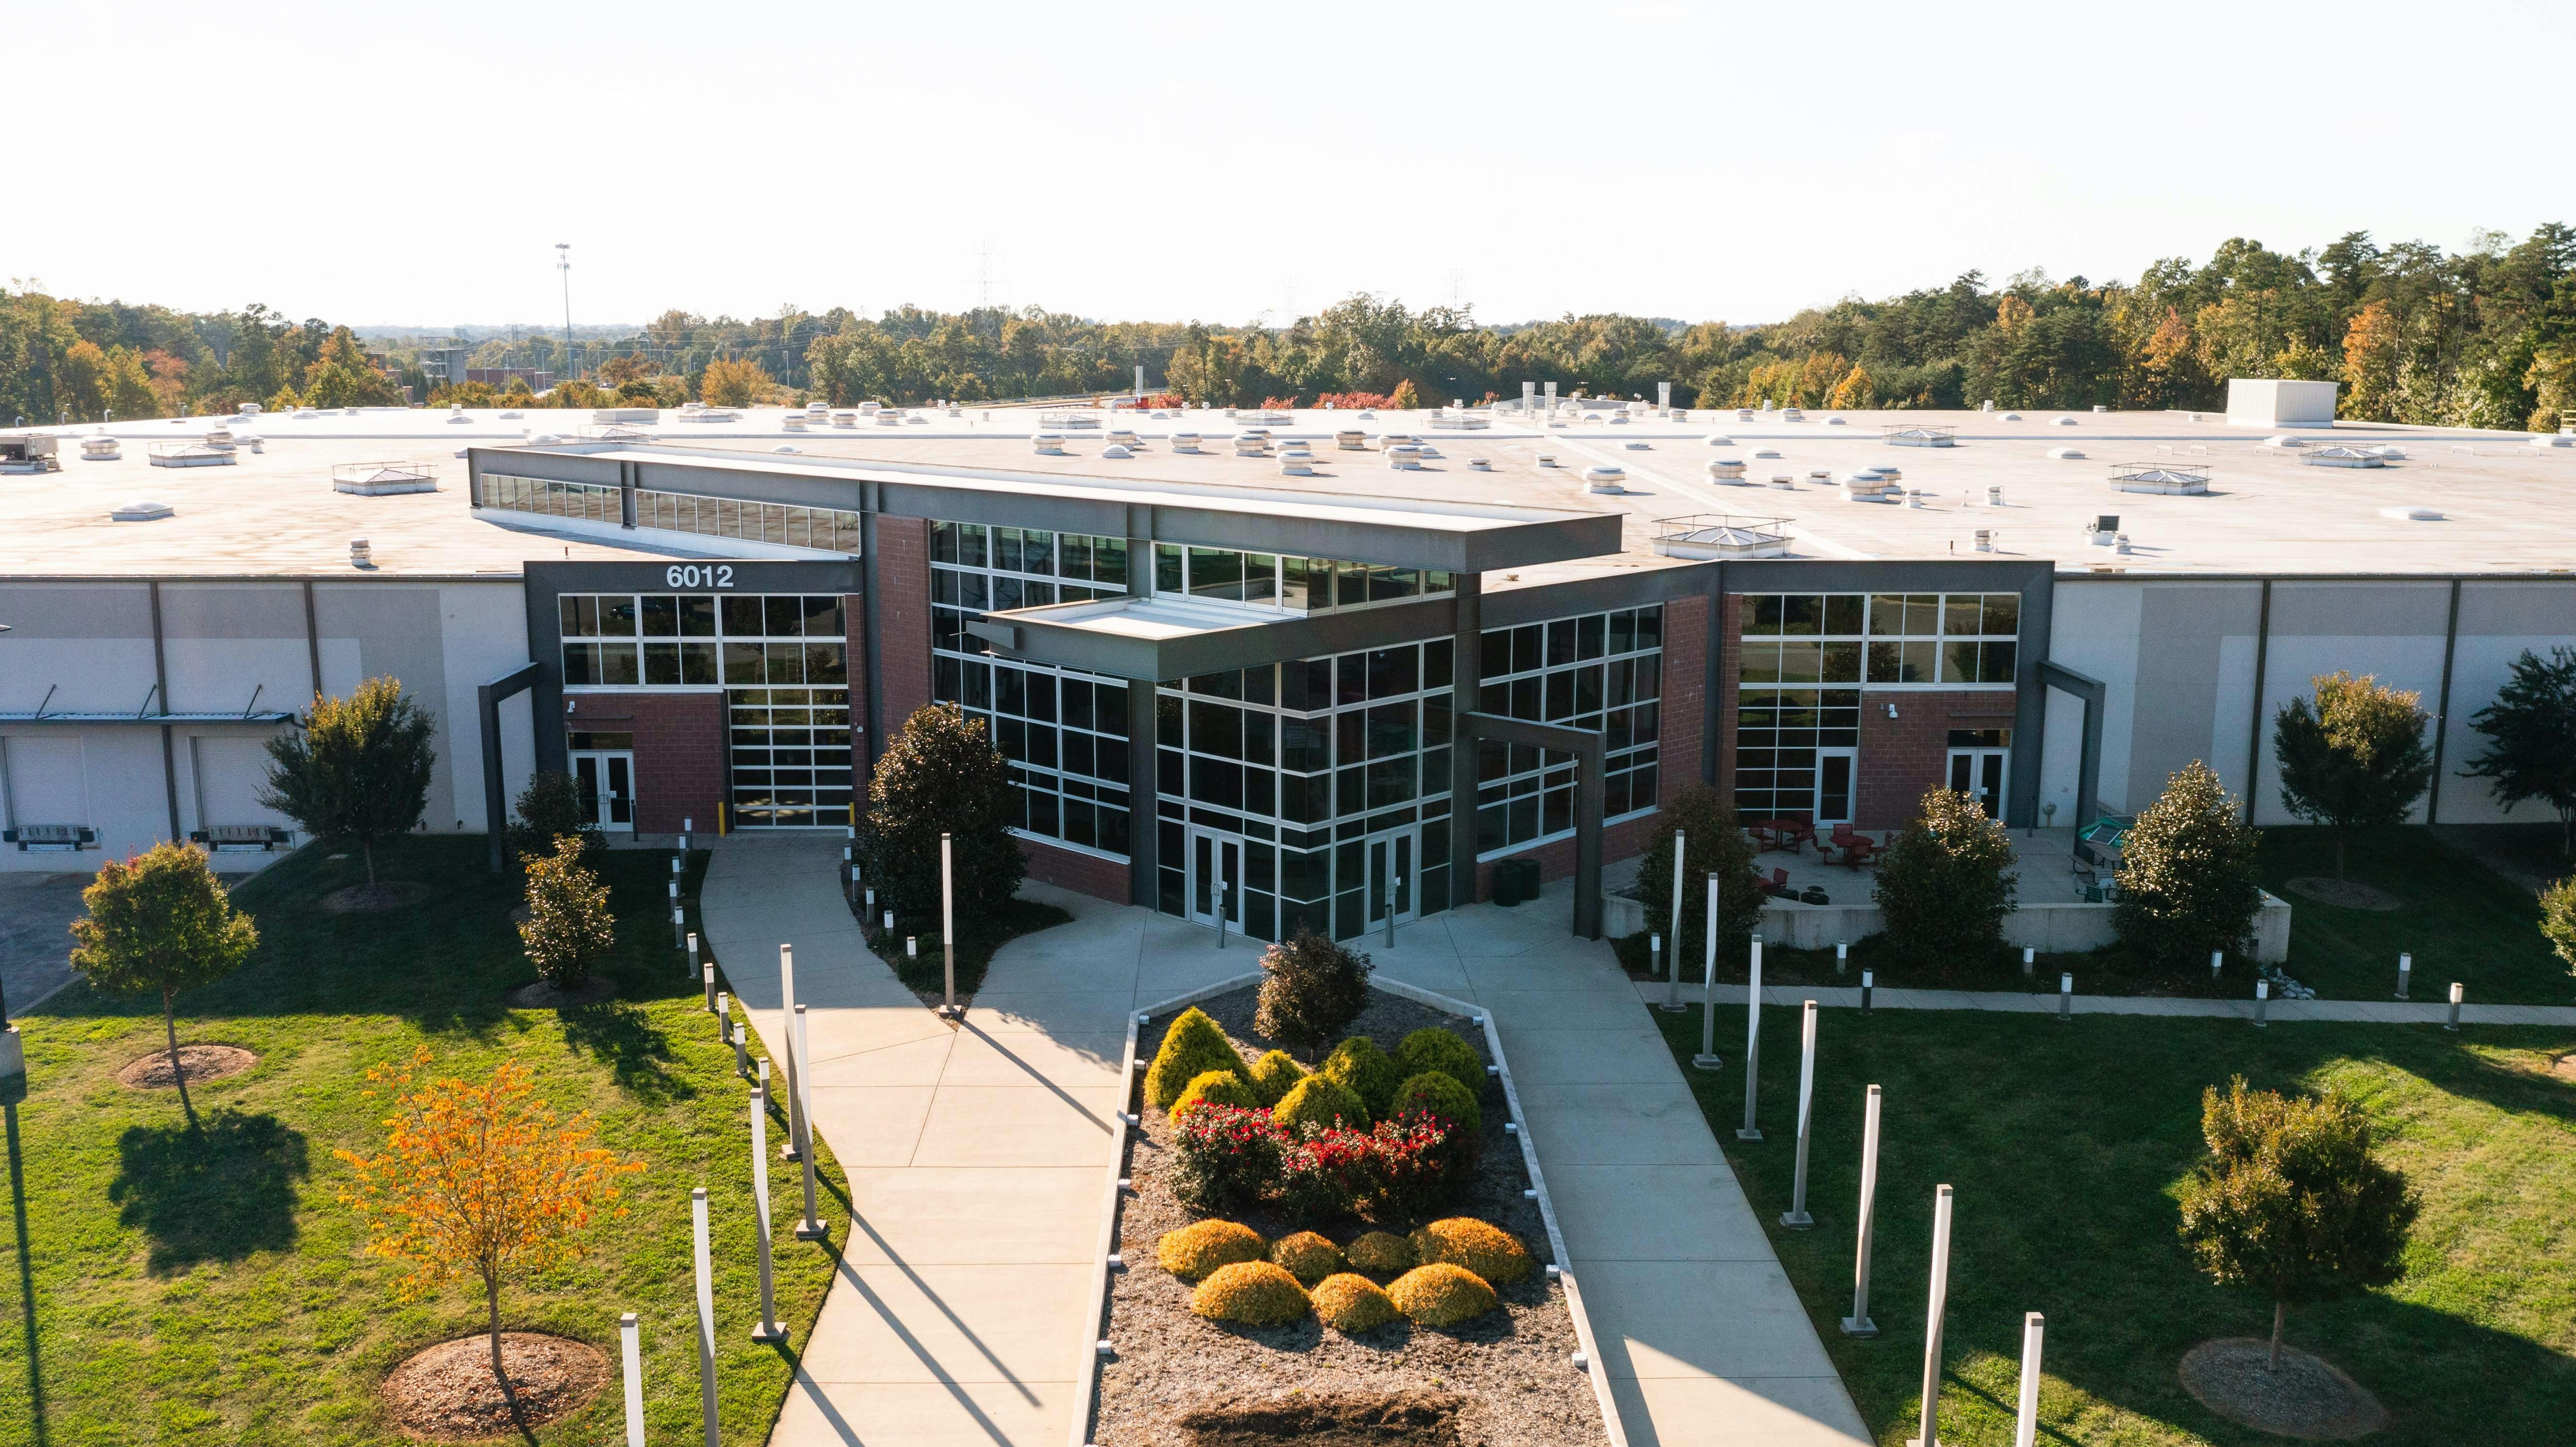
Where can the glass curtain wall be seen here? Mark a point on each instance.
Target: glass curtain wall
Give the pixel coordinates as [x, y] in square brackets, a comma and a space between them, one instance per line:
[1601, 671]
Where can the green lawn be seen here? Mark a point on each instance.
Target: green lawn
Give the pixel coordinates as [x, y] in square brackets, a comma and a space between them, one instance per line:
[209, 1290]
[2066, 1144]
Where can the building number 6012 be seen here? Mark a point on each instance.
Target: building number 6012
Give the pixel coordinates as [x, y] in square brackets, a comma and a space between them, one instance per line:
[714, 575]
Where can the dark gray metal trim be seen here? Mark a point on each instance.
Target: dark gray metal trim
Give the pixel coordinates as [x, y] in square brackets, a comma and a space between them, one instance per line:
[161, 686]
[2254, 730]
[1590, 750]
[312, 639]
[1466, 679]
[2088, 769]
[2442, 707]
[1031, 635]
[1511, 607]
[1144, 793]
[487, 712]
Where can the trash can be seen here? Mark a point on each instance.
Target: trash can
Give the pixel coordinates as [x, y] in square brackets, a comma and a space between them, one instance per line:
[1514, 881]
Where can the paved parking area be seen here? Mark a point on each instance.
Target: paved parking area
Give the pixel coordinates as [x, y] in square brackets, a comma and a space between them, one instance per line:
[36, 912]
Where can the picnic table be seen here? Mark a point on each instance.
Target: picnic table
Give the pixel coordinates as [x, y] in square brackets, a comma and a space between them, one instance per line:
[1789, 834]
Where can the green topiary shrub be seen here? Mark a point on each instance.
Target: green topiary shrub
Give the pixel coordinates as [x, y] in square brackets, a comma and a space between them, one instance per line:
[1191, 1048]
[2189, 879]
[1322, 1102]
[1202, 1246]
[1308, 1257]
[1443, 1097]
[1487, 1250]
[1255, 1293]
[1353, 1304]
[1365, 1071]
[1444, 1051]
[941, 773]
[2558, 920]
[1946, 885]
[1215, 1087]
[1382, 1253]
[1274, 1075]
[1311, 989]
[1442, 1295]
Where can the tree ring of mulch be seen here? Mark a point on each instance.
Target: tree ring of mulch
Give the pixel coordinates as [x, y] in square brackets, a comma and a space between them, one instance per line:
[372, 898]
[2346, 893]
[202, 1062]
[2564, 1067]
[1415, 1418]
[2308, 1398]
[446, 1393]
[545, 995]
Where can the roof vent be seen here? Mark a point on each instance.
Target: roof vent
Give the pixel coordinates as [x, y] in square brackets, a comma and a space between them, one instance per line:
[1607, 477]
[2061, 421]
[818, 409]
[454, 414]
[1547, 459]
[142, 511]
[1117, 449]
[1743, 414]
[893, 417]
[1870, 485]
[1833, 422]
[1480, 464]
[1368, 414]
[2343, 457]
[1185, 442]
[2411, 514]
[2066, 454]
[1351, 439]
[1255, 443]
[1404, 457]
[2387, 453]
[2098, 407]
[784, 447]
[1297, 464]
[846, 417]
[1641, 447]
[1049, 444]
[1784, 482]
[1123, 437]
[2284, 442]
[1727, 471]
[2553, 439]
[360, 555]
[1717, 439]
[2011, 417]
[1792, 414]
[1760, 453]
[1899, 435]
[100, 449]
[794, 421]
[384, 479]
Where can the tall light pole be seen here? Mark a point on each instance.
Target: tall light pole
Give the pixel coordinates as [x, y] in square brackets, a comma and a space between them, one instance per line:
[563, 264]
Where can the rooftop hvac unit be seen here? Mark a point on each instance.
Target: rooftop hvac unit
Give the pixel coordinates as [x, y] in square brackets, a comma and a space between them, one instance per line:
[1605, 478]
[1727, 471]
[1251, 444]
[1792, 414]
[1297, 464]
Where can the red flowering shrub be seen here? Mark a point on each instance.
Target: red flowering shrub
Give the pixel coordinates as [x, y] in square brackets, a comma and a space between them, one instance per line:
[1352, 401]
[1421, 1164]
[1224, 1157]
[1327, 1172]
[1279, 404]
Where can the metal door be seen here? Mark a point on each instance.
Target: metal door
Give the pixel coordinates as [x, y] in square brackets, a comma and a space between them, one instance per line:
[607, 782]
[1391, 861]
[1836, 772]
[1980, 772]
[1216, 878]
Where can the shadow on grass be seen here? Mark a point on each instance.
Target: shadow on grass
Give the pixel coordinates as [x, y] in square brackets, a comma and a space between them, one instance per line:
[26, 1271]
[636, 1052]
[216, 1194]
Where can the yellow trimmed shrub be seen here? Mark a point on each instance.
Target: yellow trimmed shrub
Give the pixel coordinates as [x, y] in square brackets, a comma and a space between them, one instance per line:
[1440, 1294]
[1444, 1097]
[1382, 1253]
[1445, 1051]
[1353, 1304]
[1365, 1071]
[1309, 1257]
[1320, 1100]
[1274, 1075]
[1487, 1250]
[1219, 1087]
[1191, 1048]
[1203, 1246]
[1254, 1292]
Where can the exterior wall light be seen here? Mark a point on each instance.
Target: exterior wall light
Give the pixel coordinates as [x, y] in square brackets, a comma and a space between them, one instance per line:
[1891, 710]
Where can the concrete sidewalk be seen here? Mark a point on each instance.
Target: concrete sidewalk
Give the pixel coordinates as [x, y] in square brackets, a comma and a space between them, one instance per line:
[2371, 1012]
[976, 1154]
[1704, 1340]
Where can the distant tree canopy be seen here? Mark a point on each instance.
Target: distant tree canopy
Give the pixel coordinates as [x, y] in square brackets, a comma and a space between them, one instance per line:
[2483, 337]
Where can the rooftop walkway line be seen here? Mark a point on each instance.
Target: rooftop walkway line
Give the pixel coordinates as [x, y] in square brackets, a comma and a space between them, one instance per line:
[2369, 1012]
[975, 1154]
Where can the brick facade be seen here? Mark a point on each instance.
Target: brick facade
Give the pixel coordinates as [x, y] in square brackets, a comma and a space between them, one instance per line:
[1556, 857]
[679, 752]
[902, 604]
[1072, 869]
[1730, 666]
[1685, 709]
[1901, 757]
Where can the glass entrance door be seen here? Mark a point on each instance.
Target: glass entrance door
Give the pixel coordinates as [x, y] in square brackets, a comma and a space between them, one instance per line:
[1391, 861]
[1980, 772]
[1835, 771]
[1216, 878]
[607, 783]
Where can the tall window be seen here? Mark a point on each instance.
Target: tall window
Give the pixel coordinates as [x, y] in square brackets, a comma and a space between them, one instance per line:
[1601, 671]
[1291, 584]
[1305, 760]
[783, 662]
[1064, 730]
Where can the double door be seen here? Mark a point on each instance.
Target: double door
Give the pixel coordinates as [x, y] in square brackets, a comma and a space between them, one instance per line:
[1981, 772]
[607, 784]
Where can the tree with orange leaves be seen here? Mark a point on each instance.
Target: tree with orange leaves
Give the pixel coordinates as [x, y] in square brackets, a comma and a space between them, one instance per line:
[481, 1181]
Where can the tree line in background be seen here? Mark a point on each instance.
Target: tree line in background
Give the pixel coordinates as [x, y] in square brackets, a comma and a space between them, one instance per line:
[2483, 337]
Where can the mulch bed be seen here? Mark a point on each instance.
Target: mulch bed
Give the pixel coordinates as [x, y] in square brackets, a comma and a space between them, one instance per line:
[2307, 1398]
[2345, 893]
[446, 1393]
[544, 995]
[373, 898]
[1506, 1377]
[202, 1062]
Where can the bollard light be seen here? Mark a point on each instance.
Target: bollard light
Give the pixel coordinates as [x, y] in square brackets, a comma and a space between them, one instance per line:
[631, 1356]
[693, 956]
[1707, 1059]
[2405, 967]
[679, 924]
[2029, 961]
[724, 1017]
[2457, 991]
[1858, 1323]
[912, 947]
[889, 921]
[2216, 959]
[767, 1329]
[2262, 1002]
[1796, 1217]
[706, 1315]
[1673, 981]
[1654, 957]
[709, 976]
[1868, 985]
[1933, 1310]
[1842, 955]
[2066, 997]
[948, 929]
[1752, 1041]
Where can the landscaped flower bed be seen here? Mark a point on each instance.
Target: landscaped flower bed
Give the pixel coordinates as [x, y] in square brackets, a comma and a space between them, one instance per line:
[1318, 1242]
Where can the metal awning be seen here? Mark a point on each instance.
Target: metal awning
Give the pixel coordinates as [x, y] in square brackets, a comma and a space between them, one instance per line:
[74, 717]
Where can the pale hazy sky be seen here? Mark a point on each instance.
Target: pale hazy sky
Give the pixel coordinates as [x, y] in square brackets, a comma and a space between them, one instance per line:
[1698, 161]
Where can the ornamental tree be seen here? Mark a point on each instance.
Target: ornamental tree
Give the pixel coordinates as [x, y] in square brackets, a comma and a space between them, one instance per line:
[2530, 731]
[1946, 883]
[160, 920]
[480, 1182]
[2189, 883]
[1713, 842]
[941, 775]
[2558, 920]
[569, 928]
[358, 770]
[1311, 989]
[2355, 758]
[549, 810]
[2291, 1200]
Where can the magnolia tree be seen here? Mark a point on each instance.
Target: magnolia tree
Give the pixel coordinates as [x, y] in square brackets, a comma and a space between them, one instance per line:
[569, 927]
[941, 775]
[480, 1183]
[358, 770]
[2355, 758]
[2188, 878]
[2558, 920]
[160, 920]
[2291, 1201]
[1713, 842]
[1946, 883]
